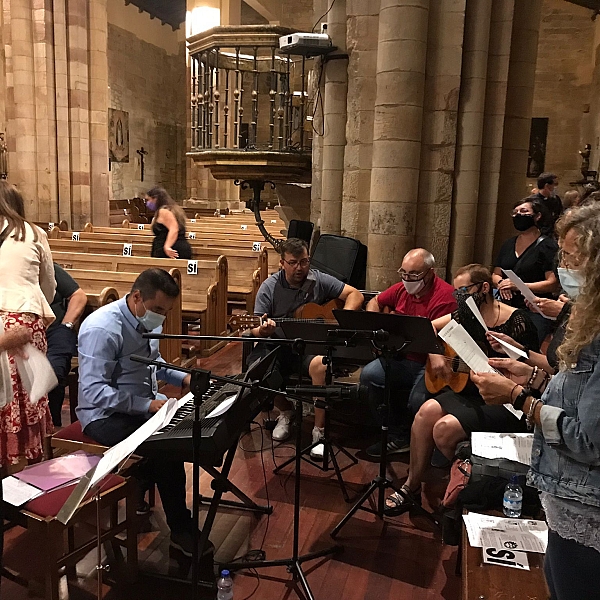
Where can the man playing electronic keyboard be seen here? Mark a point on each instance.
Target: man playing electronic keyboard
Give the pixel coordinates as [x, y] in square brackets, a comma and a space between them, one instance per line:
[280, 296]
[117, 395]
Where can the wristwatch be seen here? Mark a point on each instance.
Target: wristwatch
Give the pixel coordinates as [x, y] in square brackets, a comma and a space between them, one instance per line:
[68, 325]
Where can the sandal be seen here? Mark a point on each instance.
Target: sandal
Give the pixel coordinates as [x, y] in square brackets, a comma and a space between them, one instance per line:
[397, 504]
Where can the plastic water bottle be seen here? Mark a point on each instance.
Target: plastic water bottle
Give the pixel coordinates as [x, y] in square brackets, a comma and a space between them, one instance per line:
[225, 586]
[513, 498]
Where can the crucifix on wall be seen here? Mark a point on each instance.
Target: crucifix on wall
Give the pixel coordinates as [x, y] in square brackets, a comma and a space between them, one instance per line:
[142, 154]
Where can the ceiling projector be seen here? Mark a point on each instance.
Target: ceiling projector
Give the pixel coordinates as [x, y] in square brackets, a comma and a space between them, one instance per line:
[305, 43]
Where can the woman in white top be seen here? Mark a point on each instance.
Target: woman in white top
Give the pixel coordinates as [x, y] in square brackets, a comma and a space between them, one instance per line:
[27, 287]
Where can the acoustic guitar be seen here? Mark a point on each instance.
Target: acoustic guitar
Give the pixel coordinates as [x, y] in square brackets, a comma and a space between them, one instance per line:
[456, 381]
[307, 313]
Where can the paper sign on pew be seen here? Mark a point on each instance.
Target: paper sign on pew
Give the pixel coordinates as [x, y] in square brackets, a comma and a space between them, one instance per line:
[140, 226]
[192, 220]
[505, 558]
[527, 293]
[192, 267]
[192, 235]
[256, 246]
[127, 249]
[510, 350]
[456, 336]
[75, 236]
[50, 226]
[244, 227]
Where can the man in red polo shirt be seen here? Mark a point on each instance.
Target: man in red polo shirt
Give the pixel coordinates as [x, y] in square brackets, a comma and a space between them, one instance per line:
[421, 293]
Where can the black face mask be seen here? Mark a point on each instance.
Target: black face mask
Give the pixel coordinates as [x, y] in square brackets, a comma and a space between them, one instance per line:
[462, 297]
[523, 222]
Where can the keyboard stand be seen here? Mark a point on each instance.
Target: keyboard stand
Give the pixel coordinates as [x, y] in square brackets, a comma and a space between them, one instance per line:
[221, 485]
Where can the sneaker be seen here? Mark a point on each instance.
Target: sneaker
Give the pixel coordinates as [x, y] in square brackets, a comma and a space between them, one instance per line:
[316, 453]
[143, 509]
[282, 429]
[182, 541]
[394, 446]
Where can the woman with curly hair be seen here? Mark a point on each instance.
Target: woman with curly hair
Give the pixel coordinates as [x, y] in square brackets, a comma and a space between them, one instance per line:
[168, 226]
[565, 461]
[26, 291]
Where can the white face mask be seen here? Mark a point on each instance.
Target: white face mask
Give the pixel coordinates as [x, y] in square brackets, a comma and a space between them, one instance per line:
[570, 281]
[414, 287]
[150, 320]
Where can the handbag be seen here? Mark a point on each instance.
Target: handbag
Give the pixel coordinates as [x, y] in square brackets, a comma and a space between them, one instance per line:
[460, 474]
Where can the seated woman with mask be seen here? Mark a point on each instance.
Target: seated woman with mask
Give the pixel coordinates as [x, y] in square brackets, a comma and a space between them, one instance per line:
[565, 460]
[448, 417]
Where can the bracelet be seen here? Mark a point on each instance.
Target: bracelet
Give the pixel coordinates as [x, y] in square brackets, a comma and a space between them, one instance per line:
[533, 376]
[511, 392]
[520, 399]
[531, 413]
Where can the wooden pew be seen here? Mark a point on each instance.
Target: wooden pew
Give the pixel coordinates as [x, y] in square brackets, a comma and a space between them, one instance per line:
[203, 294]
[221, 242]
[94, 282]
[247, 269]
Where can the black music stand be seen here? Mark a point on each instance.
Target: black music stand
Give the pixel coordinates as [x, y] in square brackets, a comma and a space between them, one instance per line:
[406, 334]
[320, 332]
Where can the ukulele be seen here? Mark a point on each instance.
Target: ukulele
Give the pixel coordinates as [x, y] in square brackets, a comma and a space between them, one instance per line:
[457, 380]
[307, 313]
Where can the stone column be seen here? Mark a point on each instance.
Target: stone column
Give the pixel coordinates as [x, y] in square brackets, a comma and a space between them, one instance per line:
[440, 113]
[21, 114]
[334, 138]
[98, 72]
[517, 124]
[401, 59]
[363, 23]
[470, 133]
[493, 127]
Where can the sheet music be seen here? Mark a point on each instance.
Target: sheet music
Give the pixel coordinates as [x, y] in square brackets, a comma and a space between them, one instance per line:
[17, 492]
[512, 446]
[526, 535]
[524, 289]
[456, 336]
[510, 350]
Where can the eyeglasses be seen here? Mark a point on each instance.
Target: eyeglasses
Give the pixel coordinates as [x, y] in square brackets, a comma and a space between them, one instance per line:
[465, 288]
[410, 275]
[569, 259]
[294, 263]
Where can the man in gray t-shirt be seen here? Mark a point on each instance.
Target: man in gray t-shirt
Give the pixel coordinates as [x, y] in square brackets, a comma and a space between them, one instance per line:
[279, 296]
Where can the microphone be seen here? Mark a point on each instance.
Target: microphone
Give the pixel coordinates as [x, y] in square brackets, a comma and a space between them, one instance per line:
[344, 392]
[156, 336]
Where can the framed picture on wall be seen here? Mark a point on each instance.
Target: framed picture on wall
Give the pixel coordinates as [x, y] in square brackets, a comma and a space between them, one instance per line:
[537, 146]
[118, 135]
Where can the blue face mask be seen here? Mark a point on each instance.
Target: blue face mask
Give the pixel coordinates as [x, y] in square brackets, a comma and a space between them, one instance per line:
[150, 320]
[570, 281]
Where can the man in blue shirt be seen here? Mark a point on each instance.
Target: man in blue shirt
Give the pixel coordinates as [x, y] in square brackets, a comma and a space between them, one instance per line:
[117, 395]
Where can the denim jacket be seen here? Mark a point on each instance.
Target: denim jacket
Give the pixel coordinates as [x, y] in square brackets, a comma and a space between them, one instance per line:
[565, 460]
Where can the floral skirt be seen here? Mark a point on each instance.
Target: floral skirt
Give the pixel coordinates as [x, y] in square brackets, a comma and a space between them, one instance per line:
[23, 425]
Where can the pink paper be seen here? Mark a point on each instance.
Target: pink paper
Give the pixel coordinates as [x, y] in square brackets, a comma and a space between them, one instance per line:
[59, 471]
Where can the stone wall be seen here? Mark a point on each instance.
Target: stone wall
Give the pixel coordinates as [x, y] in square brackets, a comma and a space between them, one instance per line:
[563, 81]
[147, 78]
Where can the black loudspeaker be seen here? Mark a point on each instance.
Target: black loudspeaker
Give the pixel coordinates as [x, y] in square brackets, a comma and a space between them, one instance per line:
[301, 229]
[342, 257]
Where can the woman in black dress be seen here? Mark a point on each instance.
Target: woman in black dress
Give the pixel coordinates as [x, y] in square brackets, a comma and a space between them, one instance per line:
[168, 226]
[449, 417]
[532, 257]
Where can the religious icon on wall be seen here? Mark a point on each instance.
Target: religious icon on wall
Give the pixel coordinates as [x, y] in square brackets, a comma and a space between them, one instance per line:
[537, 146]
[118, 135]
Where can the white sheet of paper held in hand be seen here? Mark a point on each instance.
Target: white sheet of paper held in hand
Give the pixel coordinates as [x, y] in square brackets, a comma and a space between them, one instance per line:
[524, 289]
[456, 336]
[36, 373]
[510, 350]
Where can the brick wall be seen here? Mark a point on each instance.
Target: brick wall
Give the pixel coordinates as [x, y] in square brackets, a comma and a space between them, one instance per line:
[150, 84]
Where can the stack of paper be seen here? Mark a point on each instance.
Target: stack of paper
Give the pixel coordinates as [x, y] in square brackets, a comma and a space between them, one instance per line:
[512, 446]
